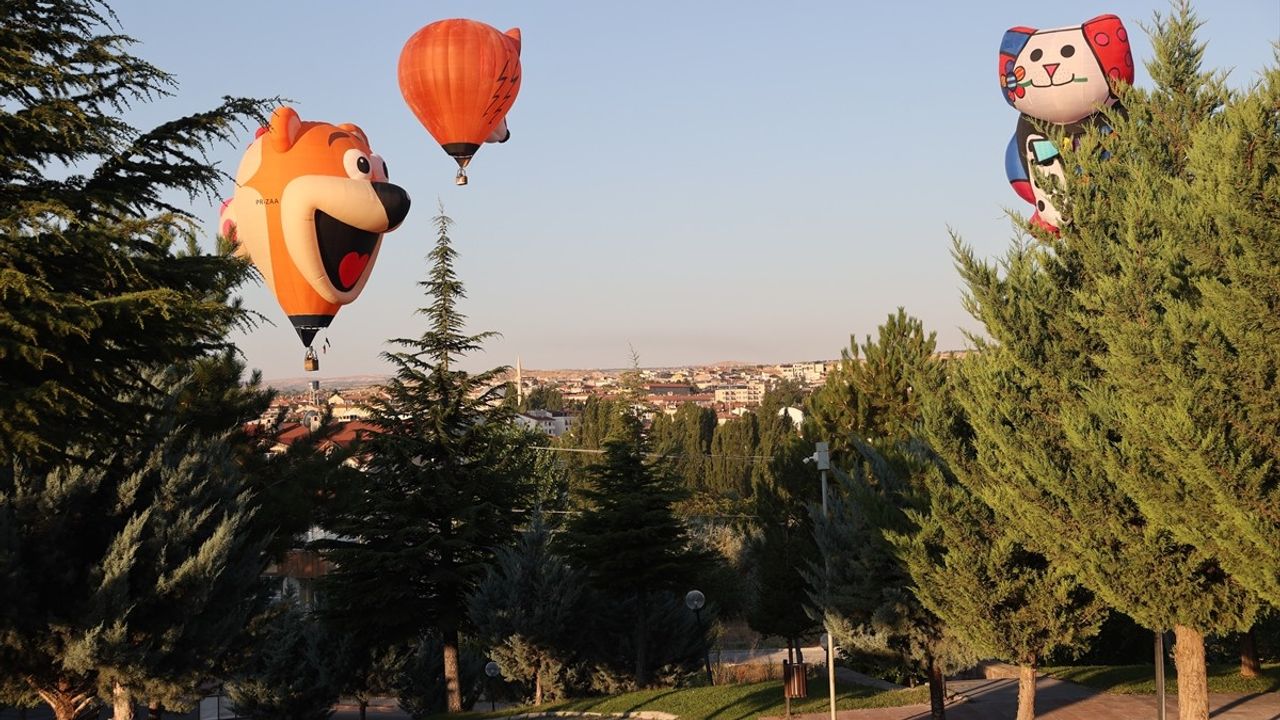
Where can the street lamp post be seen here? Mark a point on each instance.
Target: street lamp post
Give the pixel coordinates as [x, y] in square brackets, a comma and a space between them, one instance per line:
[822, 457]
[695, 600]
[491, 669]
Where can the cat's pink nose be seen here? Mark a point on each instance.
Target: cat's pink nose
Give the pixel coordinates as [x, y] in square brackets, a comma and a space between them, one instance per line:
[1051, 68]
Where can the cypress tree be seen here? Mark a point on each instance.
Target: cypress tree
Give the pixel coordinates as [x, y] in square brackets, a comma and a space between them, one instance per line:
[629, 542]
[971, 569]
[446, 479]
[1093, 336]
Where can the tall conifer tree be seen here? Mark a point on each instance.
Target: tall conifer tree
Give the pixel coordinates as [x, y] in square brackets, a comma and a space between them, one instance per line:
[446, 479]
[1086, 417]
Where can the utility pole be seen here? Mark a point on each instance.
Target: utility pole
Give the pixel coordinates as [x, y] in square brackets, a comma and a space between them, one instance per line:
[1159, 675]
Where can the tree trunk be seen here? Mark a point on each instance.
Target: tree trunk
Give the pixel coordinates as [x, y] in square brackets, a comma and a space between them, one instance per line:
[1250, 667]
[799, 652]
[452, 683]
[67, 701]
[364, 706]
[1027, 692]
[1193, 681]
[121, 703]
[155, 711]
[937, 691]
[537, 687]
[642, 636]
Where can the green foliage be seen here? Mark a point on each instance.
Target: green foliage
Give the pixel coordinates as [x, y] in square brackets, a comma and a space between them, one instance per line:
[543, 397]
[293, 671]
[1084, 424]
[420, 687]
[1180, 260]
[137, 567]
[872, 395]
[446, 479]
[528, 610]
[686, 437]
[632, 547]
[732, 449]
[783, 548]
[91, 290]
[971, 569]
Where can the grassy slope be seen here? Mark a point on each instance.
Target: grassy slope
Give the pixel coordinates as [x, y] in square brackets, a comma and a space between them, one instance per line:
[732, 702]
[1140, 679]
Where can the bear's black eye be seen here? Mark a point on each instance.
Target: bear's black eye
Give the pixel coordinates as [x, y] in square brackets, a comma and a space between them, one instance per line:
[1036, 55]
[385, 173]
[362, 164]
[1068, 50]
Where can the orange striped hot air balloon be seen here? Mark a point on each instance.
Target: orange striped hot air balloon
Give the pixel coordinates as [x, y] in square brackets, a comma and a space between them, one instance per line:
[460, 78]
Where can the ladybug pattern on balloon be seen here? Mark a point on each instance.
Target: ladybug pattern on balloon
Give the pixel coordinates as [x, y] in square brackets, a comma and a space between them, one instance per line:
[1065, 77]
[312, 202]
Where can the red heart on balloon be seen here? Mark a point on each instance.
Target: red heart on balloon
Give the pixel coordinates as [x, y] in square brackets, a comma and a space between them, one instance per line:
[351, 267]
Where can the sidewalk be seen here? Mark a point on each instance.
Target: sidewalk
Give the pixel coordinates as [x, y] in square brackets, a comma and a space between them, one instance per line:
[1058, 700]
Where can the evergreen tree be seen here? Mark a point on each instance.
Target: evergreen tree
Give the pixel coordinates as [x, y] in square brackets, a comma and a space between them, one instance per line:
[784, 548]
[971, 570]
[446, 478]
[733, 449]
[1086, 422]
[628, 541]
[528, 611]
[861, 590]
[130, 575]
[91, 292]
[293, 671]
[686, 438]
[870, 395]
[1184, 296]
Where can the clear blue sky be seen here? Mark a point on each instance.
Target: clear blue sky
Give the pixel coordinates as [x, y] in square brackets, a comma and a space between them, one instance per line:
[701, 180]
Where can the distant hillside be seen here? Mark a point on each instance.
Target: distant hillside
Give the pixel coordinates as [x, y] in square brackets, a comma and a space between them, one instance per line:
[330, 383]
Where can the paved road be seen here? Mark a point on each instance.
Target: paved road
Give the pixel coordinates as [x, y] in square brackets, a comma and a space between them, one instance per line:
[1058, 700]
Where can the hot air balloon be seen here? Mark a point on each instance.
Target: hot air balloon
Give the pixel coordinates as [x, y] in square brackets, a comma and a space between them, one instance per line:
[1065, 77]
[311, 204]
[460, 78]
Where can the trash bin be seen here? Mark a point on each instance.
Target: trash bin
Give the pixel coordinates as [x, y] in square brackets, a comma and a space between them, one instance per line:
[795, 681]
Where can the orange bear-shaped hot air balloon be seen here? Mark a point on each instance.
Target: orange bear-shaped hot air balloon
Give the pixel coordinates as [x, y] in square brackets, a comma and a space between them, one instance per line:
[460, 78]
[311, 204]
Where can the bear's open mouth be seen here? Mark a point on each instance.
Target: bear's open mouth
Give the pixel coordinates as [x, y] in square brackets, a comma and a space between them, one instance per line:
[344, 250]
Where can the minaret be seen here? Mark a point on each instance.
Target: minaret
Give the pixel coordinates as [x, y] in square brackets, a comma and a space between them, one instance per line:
[519, 384]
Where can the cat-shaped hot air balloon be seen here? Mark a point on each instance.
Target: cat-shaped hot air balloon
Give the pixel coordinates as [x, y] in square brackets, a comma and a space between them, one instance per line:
[1065, 76]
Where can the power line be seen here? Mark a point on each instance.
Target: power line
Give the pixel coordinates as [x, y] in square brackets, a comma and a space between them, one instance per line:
[655, 455]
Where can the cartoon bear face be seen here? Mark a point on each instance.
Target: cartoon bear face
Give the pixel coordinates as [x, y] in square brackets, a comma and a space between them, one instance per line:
[311, 205]
[1065, 74]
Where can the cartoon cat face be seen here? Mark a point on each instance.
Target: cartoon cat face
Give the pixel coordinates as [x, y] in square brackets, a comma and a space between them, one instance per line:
[1065, 74]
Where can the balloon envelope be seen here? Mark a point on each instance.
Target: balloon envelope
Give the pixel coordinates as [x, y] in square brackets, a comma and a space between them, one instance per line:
[311, 204]
[460, 78]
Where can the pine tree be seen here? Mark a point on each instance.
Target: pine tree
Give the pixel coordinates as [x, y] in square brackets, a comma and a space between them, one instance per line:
[628, 541]
[784, 547]
[861, 590]
[129, 576]
[91, 291]
[971, 570]
[528, 611]
[446, 478]
[293, 671]
[1184, 250]
[870, 395]
[1086, 403]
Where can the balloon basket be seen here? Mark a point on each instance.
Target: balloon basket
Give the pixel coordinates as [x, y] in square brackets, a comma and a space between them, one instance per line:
[461, 178]
[310, 362]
